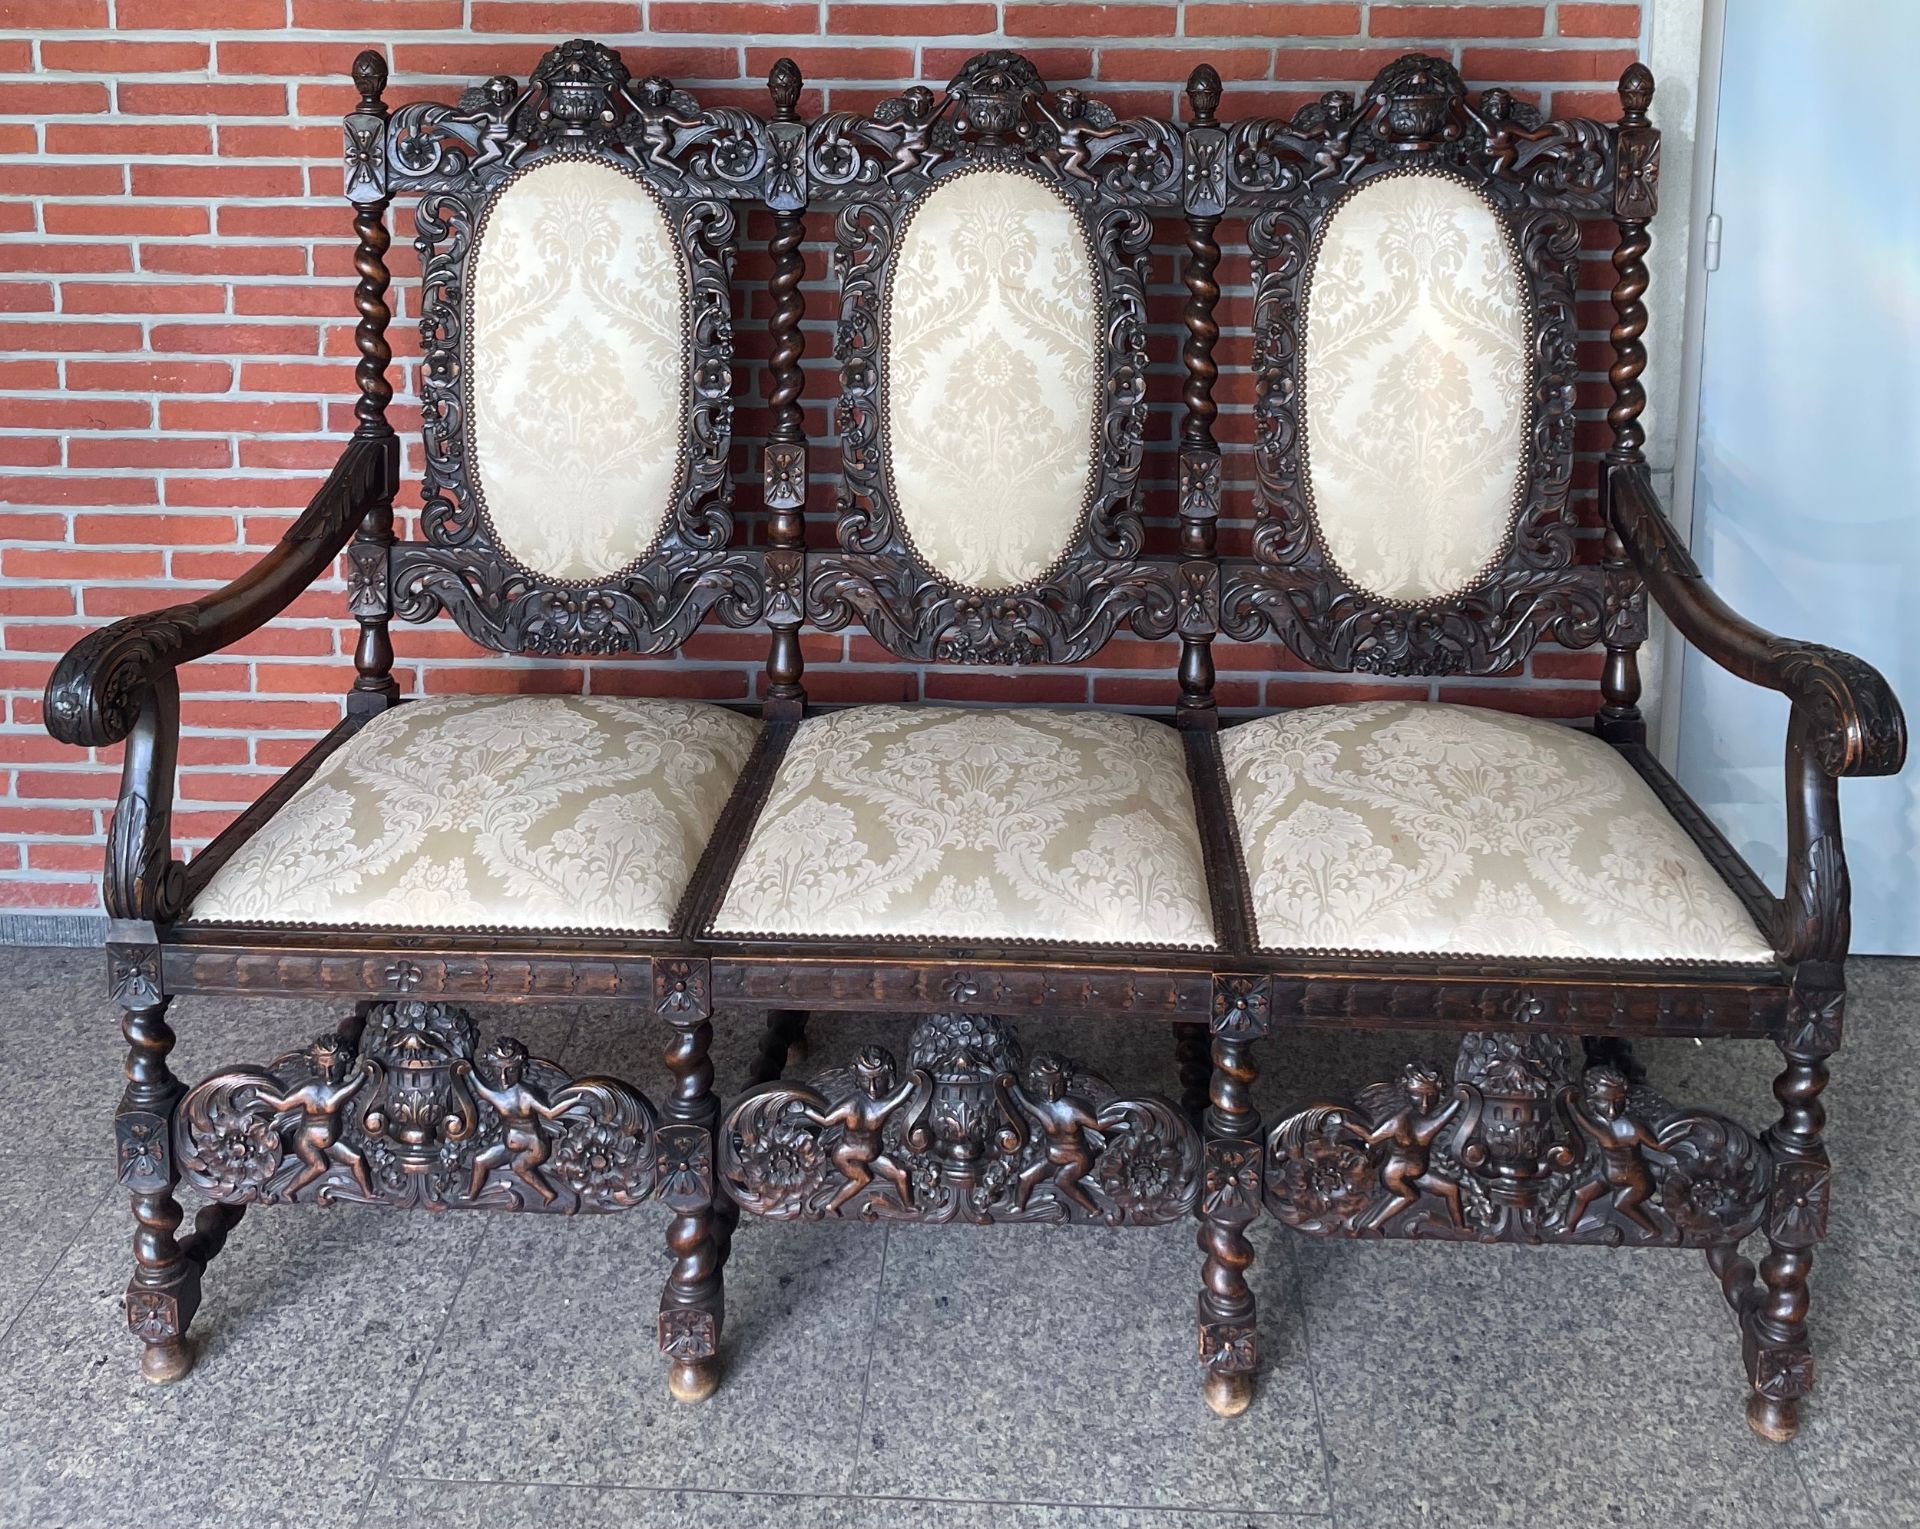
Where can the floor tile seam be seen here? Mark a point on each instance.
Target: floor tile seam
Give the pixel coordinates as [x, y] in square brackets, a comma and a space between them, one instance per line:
[26, 1301]
[379, 1471]
[902, 1498]
[866, 1374]
[1313, 1379]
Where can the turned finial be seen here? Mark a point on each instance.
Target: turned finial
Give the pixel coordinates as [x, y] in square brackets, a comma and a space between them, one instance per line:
[370, 76]
[783, 84]
[1636, 93]
[1203, 92]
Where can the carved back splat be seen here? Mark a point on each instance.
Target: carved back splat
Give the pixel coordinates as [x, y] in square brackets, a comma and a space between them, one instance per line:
[876, 171]
[1541, 177]
[583, 104]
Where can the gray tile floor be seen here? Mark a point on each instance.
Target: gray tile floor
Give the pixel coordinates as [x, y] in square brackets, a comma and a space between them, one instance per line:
[361, 1368]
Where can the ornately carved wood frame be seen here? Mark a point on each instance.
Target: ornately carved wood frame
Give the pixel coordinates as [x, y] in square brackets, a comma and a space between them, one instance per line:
[876, 170]
[582, 105]
[1540, 178]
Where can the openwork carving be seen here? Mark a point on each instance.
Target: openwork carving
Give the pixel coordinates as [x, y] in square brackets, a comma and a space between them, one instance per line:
[580, 103]
[996, 114]
[416, 1116]
[970, 1132]
[1537, 176]
[1418, 111]
[1522, 1146]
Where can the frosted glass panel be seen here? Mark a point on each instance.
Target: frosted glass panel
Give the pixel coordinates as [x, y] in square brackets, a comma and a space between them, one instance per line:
[1807, 490]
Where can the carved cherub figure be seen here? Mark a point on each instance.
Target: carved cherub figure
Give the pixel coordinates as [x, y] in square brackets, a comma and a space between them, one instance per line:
[911, 113]
[317, 1141]
[1064, 1122]
[523, 1145]
[1409, 1126]
[501, 97]
[1079, 123]
[1335, 156]
[664, 114]
[1504, 129]
[1626, 1149]
[860, 1154]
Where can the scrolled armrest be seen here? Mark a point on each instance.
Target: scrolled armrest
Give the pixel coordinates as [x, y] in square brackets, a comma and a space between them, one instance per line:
[98, 688]
[1851, 723]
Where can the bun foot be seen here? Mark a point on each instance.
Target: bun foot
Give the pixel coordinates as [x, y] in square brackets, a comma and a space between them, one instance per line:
[694, 1381]
[1229, 1392]
[165, 1362]
[1776, 1422]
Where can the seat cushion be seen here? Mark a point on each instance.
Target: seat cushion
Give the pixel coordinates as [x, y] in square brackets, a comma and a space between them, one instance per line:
[1058, 826]
[523, 812]
[1409, 828]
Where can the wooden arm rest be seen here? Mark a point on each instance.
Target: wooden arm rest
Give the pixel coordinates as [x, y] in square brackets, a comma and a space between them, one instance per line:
[99, 687]
[1852, 725]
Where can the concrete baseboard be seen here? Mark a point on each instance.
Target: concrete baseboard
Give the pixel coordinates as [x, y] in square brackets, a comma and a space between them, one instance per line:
[75, 929]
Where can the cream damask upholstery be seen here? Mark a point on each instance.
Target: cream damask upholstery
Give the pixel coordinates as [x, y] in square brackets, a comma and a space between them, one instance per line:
[577, 371]
[1409, 828]
[524, 812]
[1066, 826]
[993, 359]
[1416, 377]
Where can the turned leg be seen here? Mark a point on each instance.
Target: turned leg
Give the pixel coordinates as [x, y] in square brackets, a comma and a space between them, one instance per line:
[692, 1305]
[164, 1292]
[1196, 1069]
[1229, 1340]
[1778, 1353]
[782, 1045]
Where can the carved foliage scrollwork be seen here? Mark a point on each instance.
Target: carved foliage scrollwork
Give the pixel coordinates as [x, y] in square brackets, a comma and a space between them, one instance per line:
[1418, 111]
[971, 1132]
[1295, 591]
[416, 1116]
[996, 100]
[995, 114]
[580, 95]
[1521, 1146]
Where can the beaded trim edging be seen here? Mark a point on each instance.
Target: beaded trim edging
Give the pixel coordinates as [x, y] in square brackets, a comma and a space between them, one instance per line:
[1103, 315]
[1523, 476]
[684, 411]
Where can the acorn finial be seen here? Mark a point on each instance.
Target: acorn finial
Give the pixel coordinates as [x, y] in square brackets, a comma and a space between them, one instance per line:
[783, 84]
[1636, 92]
[370, 76]
[1203, 93]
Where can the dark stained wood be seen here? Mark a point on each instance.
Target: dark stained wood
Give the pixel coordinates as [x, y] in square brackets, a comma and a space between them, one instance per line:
[1291, 177]
[1526, 1142]
[368, 599]
[874, 170]
[581, 103]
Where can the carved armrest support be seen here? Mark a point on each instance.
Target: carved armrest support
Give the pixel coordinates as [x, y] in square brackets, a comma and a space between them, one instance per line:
[100, 687]
[1846, 715]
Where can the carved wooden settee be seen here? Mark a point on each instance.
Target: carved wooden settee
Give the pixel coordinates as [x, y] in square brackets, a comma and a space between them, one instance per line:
[1536, 894]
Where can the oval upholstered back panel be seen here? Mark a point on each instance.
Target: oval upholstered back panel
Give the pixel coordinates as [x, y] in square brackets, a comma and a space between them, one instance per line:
[576, 368]
[1417, 382]
[992, 362]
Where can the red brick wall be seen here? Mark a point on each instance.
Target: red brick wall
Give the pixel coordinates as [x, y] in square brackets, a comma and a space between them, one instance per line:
[175, 329]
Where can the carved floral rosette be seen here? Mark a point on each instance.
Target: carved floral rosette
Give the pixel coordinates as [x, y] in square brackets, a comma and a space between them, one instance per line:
[970, 1133]
[1520, 1146]
[413, 1117]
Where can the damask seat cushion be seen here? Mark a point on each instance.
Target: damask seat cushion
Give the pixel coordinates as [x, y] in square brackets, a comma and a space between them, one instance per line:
[1410, 829]
[522, 812]
[1060, 826]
